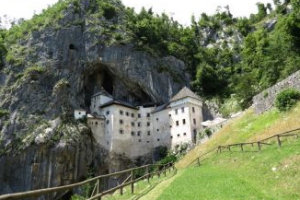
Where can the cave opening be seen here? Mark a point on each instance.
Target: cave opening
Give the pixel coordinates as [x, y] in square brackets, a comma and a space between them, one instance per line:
[96, 81]
[107, 83]
[72, 47]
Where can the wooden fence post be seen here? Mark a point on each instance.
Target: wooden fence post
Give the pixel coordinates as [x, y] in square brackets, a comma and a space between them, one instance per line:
[132, 182]
[98, 190]
[229, 148]
[121, 191]
[158, 172]
[242, 147]
[148, 172]
[259, 147]
[278, 140]
[198, 161]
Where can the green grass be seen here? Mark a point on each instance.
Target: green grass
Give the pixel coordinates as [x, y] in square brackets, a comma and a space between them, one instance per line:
[273, 173]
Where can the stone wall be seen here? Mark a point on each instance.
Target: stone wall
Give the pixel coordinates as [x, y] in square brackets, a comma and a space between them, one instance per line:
[265, 100]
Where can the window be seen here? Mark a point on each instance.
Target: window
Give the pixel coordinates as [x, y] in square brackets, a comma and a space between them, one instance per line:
[79, 113]
[107, 121]
[148, 123]
[148, 114]
[139, 133]
[157, 119]
[132, 124]
[183, 121]
[177, 123]
[193, 109]
[127, 113]
[178, 135]
[157, 130]
[171, 137]
[121, 121]
[170, 126]
[170, 115]
[139, 115]
[140, 140]
[182, 109]
[176, 111]
[194, 120]
[132, 133]
[121, 112]
[184, 134]
[132, 114]
[149, 133]
[139, 124]
[107, 112]
[148, 141]
[158, 140]
[121, 131]
[96, 123]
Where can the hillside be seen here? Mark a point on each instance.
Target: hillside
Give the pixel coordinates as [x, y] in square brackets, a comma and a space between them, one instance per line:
[272, 173]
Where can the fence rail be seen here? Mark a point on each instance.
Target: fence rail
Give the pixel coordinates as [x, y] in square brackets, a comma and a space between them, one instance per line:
[97, 193]
[259, 144]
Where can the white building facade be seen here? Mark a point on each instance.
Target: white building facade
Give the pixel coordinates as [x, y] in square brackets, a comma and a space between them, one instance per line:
[136, 131]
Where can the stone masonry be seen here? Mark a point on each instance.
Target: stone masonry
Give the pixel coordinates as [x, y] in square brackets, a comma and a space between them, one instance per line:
[266, 99]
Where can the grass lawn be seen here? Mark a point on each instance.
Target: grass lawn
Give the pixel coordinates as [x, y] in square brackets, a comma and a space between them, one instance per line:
[273, 173]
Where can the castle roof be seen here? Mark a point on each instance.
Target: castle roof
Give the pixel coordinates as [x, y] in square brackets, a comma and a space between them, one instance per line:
[117, 102]
[183, 93]
[102, 92]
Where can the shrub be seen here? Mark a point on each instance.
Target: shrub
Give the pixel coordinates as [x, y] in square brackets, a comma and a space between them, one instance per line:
[34, 72]
[208, 132]
[109, 11]
[286, 99]
[3, 113]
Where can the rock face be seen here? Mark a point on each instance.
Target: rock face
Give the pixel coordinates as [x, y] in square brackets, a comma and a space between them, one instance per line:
[266, 99]
[60, 71]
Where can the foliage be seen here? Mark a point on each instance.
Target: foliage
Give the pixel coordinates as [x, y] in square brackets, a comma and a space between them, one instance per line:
[3, 50]
[286, 99]
[208, 132]
[109, 11]
[170, 157]
[3, 113]
[34, 72]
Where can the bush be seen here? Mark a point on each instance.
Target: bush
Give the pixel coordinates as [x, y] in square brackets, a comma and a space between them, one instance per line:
[286, 99]
[208, 132]
[3, 113]
[34, 72]
[109, 11]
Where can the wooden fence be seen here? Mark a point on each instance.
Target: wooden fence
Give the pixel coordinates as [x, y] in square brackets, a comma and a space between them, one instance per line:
[292, 133]
[148, 172]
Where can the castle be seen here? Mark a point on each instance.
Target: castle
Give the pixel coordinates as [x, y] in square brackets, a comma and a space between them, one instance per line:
[135, 131]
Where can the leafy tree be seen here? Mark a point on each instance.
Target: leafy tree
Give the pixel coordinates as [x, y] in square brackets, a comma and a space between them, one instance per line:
[286, 99]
